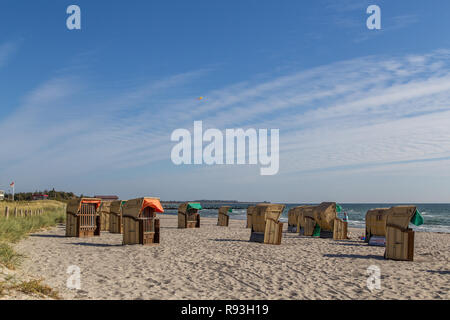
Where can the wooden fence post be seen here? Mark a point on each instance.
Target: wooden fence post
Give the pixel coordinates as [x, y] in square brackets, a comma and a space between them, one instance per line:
[7, 212]
[15, 212]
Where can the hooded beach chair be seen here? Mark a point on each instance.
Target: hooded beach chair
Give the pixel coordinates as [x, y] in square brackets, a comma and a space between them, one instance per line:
[188, 216]
[223, 218]
[376, 226]
[115, 217]
[250, 210]
[400, 238]
[140, 225]
[330, 226]
[266, 227]
[83, 219]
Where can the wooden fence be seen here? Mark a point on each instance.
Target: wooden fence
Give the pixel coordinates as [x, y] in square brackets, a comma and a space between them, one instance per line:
[21, 212]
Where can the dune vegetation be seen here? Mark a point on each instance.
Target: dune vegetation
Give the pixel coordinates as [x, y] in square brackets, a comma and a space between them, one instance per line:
[14, 229]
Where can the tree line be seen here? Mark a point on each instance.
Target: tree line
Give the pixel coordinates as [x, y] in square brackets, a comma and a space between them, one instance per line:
[52, 195]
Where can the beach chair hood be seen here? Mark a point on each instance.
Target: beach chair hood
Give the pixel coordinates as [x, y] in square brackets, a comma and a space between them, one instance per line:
[400, 216]
[116, 206]
[324, 214]
[134, 208]
[74, 206]
[183, 208]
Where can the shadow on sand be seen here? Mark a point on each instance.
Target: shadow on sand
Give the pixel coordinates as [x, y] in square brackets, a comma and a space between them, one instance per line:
[442, 272]
[228, 240]
[102, 245]
[353, 256]
[47, 235]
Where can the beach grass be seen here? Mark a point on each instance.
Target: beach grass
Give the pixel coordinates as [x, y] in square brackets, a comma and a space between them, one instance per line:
[42, 204]
[8, 257]
[35, 287]
[14, 229]
[30, 287]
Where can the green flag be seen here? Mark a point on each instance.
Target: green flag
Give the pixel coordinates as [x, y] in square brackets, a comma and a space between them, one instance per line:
[417, 219]
[230, 210]
[338, 208]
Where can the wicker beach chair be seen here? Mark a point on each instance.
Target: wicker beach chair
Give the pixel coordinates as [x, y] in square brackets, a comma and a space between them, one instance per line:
[223, 218]
[266, 227]
[400, 238]
[140, 225]
[83, 219]
[188, 216]
[325, 215]
[376, 226]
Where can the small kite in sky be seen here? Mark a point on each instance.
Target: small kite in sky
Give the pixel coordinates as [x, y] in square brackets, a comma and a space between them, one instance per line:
[200, 98]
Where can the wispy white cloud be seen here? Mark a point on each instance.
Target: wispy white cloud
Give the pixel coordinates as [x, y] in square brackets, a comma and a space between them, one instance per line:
[356, 118]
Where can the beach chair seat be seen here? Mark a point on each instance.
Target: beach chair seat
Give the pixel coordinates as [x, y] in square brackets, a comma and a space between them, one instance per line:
[340, 231]
[310, 225]
[376, 226]
[399, 243]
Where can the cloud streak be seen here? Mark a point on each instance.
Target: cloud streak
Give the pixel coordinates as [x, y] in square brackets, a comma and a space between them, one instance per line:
[361, 116]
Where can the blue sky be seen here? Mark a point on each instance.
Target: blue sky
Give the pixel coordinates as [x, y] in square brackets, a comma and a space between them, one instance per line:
[363, 114]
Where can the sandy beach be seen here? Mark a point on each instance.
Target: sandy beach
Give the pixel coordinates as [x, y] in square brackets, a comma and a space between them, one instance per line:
[220, 263]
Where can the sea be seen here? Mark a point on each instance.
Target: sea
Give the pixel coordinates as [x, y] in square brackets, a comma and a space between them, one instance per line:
[436, 216]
